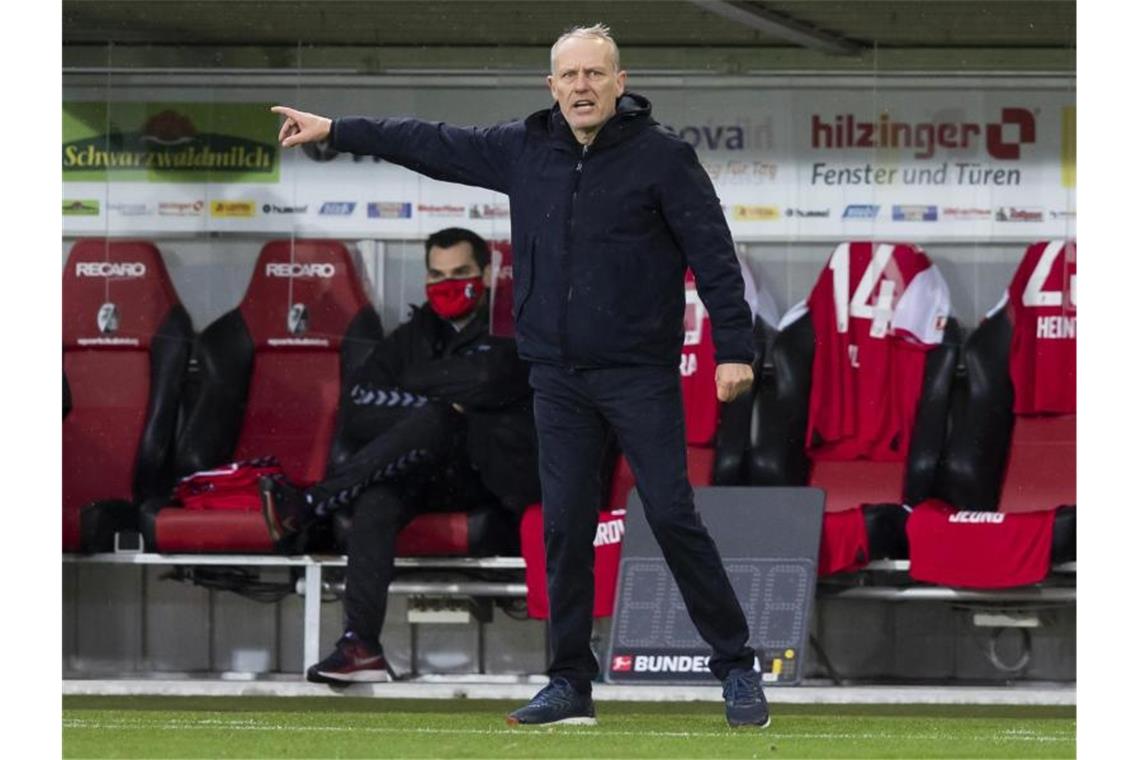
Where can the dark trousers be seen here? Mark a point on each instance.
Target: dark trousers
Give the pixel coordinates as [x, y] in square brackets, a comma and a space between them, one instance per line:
[400, 442]
[386, 487]
[643, 407]
[378, 515]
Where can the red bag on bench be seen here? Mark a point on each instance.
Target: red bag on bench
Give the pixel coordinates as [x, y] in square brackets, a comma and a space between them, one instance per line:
[231, 487]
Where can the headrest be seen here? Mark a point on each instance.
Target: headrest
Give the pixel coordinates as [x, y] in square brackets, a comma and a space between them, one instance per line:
[303, 294]
[698, 370]
[116, 294]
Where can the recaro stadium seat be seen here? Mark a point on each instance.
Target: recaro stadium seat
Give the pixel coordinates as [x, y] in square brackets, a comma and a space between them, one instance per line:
[126, 343]
[1004, 499]
[717, 439]
[887, 339]
[270, 385]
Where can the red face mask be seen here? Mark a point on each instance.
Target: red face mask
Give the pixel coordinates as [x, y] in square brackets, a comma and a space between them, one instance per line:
[455, 299]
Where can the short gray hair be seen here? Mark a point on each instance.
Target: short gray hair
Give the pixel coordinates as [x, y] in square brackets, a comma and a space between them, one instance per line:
[595, 32]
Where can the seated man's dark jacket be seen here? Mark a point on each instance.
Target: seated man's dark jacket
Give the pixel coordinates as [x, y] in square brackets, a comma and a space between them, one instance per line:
[601, 236]
[480, 373]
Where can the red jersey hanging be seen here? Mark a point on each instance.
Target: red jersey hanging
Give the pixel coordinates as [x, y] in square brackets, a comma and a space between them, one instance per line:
[876, 310]
[1042, 305]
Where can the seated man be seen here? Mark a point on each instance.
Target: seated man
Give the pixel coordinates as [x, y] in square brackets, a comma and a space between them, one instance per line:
[440, 418]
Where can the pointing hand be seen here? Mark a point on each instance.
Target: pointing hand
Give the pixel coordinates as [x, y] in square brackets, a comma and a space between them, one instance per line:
[300, 127]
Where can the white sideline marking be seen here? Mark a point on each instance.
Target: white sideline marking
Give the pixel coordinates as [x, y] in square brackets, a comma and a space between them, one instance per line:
[490, 687]
[1016, 735]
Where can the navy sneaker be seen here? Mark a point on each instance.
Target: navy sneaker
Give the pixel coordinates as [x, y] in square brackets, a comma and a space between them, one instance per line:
[353, 661]
[558, 702]
[285, 508]
[744, 703]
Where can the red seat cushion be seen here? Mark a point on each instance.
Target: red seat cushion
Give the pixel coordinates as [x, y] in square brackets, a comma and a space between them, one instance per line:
[851, 484]
[1042, 469]
[219, 531]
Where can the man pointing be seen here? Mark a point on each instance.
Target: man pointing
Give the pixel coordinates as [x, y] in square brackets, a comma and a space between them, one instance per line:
[608, 209]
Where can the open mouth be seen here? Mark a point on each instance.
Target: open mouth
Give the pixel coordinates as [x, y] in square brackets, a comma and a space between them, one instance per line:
[582, 105]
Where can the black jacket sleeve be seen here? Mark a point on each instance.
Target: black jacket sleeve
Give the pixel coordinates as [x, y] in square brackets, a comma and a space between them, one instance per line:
[489, 375]
[479, 156]
[692, 211]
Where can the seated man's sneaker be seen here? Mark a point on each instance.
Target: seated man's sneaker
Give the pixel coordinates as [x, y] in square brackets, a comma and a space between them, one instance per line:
[353, 661]
[744, 703]
[558, 702]
[285, 508]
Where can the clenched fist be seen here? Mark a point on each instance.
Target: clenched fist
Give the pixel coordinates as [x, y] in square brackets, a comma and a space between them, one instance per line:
[300, 127]
[732, 380]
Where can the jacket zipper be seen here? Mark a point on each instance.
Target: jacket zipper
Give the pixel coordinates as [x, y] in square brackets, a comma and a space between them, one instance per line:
[567, 261]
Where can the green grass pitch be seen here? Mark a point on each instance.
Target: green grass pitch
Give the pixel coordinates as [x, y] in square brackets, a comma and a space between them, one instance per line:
[291, 727]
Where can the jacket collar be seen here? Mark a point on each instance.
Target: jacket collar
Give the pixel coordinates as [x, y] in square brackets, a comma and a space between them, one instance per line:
[634, 113]
[444, 333]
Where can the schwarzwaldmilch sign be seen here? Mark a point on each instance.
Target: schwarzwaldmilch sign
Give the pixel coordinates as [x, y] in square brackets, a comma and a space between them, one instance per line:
[169, 142]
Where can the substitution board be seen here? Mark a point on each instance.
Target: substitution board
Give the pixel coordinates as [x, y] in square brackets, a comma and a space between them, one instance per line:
[769, 541]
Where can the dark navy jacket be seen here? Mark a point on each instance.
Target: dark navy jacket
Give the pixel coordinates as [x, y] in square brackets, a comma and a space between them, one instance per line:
[601, 235]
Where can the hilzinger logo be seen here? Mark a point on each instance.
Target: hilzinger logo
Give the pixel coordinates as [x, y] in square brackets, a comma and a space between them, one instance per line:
[110, 269]
[285, 269]
[926, 137]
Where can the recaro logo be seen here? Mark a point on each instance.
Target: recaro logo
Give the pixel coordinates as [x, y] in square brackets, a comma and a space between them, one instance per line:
[845, 131]
[110, 269]
[285, 269]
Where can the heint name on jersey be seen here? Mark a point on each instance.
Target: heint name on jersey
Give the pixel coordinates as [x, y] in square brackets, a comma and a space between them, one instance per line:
[1064, 328]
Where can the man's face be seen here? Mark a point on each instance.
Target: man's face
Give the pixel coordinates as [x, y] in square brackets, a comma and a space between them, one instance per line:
[457, 262]
[586, 84]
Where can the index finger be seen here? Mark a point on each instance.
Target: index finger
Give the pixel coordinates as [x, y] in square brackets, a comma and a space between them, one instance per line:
[285, 111]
